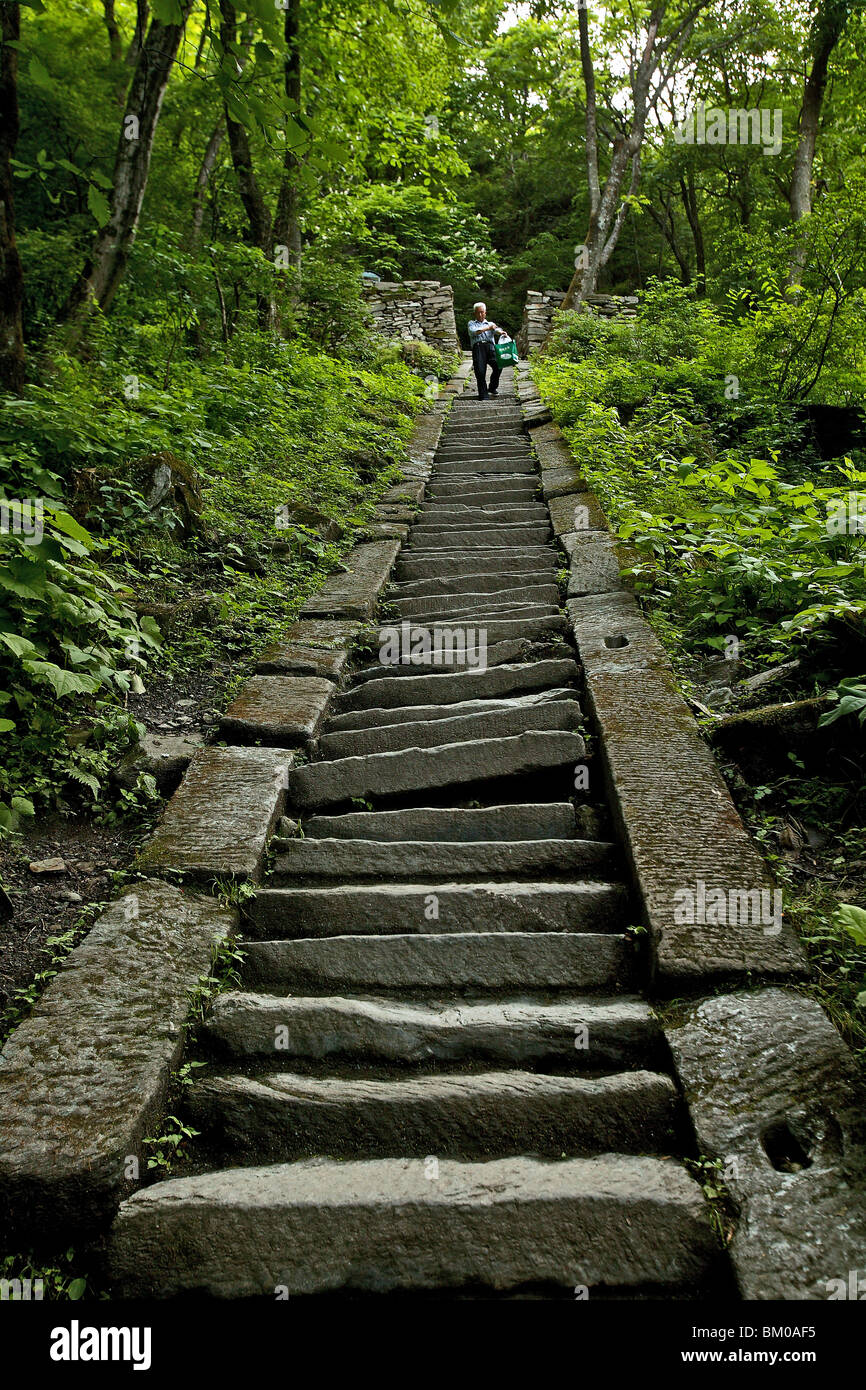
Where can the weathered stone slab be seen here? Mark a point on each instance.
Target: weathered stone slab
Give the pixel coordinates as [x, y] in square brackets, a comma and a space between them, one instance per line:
[282, 711]
[681, 830]
[333, 634]
[311, 1226]
[494, 512]
[376, 718]
[576, 511]
[469, 602]
[355, 860]
[218, 821]
[594, 567]
[422, 769]
[353, 594]
[449, 565]
[386, 530]
[411, 490]
[464, 960]
[562, 481]
[773, 1091]
[551, 820]
[285, 1115]
[492, 905]
[619, 1032]
[484, 583]
[471, 685]
[613, 636]
[426, 733]
[292, 658]
[84, 1078]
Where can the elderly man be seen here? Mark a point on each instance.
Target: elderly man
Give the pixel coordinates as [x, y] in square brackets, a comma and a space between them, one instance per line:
[482, 336]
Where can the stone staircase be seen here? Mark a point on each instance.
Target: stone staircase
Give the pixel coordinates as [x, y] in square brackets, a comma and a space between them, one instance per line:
[440, 1074]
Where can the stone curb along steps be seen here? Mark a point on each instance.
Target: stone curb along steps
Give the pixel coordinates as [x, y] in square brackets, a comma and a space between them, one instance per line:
[771, 1088]
[439, 1070]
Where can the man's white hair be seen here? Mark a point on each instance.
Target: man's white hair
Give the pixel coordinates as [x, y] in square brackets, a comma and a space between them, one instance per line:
[479, 305]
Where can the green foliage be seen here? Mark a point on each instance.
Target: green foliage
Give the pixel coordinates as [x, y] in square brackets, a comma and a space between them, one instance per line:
[726, 541]
[407, 232]
[56, 949]
[57, 1281]
[168, 1149]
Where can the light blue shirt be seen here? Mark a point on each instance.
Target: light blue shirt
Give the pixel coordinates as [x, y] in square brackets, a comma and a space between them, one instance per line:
[480, 331]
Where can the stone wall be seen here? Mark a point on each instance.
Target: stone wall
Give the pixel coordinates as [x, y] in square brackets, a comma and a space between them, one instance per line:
[541, 305]
[414, 309]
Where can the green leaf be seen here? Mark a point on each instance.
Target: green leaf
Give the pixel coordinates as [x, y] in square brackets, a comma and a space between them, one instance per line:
[98, 205]
[7, 726]
[853, 921]
[63, 682]
[76, 1289]
[23, 806]
[167, 11]
[39, 74]
[20, 646]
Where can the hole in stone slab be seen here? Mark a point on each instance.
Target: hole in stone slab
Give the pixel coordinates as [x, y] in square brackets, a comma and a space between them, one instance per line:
[615, 642]
[784, 1149]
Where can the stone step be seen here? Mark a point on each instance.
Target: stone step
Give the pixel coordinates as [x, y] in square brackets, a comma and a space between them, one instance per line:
[483, 491]
[424, 769]
[502, 630]
[524, 464]
[520, 679]
[449, 512]
[457, 643]
[443, 908]
[494, 556]
[616, 1221]
[425, 733]
[406, 714]
[554, 820]
[487, 582]
[449, 566]
[450, 537]
[284, 1115]
[489, 961]
[353, 860]
[587, 1034]
[482, 601]
[477, 456]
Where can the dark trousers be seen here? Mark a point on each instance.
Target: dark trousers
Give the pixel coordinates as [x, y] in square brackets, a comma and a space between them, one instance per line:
[484, 356]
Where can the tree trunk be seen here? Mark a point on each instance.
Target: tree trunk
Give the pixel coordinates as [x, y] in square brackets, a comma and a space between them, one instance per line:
[206, 168]
[11, 277]
[606, 212]
[826, 31]
[287, 226]
[142, 14]
[115, 46]
[667, 227]
[258, 216]
[106, 265]
[690, 203]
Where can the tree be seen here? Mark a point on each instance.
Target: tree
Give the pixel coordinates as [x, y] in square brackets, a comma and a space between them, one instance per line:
[11, 277]
[648, 51]
[287, 225]
[106, 264]
[825, 32]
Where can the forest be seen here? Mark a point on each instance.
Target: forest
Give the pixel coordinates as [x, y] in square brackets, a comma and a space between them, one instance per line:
[191, 192]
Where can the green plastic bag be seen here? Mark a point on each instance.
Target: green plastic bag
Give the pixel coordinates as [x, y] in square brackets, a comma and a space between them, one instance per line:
[506, 353]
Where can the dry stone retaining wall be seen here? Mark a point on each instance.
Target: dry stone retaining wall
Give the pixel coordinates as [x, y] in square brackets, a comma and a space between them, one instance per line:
[541, 305]
[419, 310]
